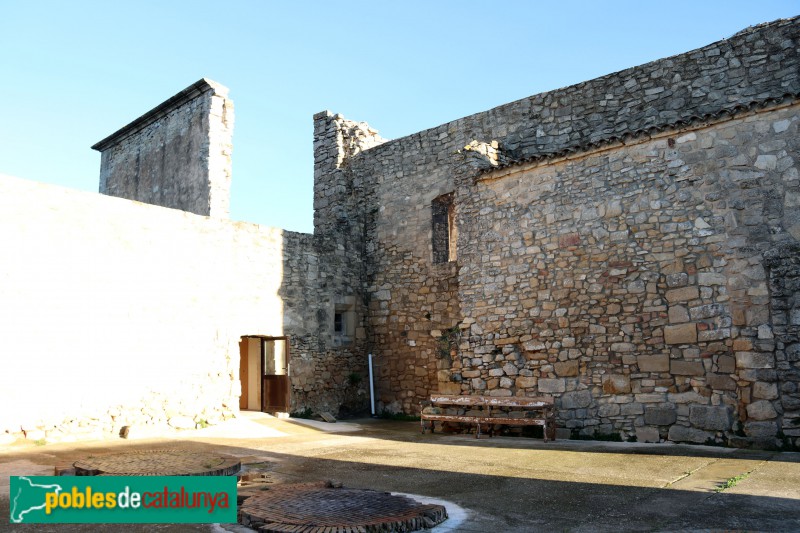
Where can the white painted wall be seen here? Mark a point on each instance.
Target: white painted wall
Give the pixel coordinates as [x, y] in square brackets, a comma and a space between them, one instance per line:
[104, 300]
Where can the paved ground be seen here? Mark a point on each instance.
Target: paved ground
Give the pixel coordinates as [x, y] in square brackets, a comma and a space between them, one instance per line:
[504, 484]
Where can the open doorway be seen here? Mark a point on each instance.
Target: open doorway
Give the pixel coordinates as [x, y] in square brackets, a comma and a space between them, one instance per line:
[264, 373]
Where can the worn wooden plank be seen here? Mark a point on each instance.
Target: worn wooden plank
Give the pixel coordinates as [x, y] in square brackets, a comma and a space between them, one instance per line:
[520, 402]
[446, 399]
[487, 420]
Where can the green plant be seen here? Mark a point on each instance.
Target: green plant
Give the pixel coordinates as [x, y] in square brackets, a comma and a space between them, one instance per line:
[40, 442]
[203, 423]
[447, 342]
[730, 482]
[354, 379]
[305, 413]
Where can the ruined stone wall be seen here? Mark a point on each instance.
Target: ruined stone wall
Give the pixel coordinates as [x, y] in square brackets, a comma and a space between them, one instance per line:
[342, 220]
[375, 205]
[177, 155]
[630, 283]
[120, 313]
[414, 303]
[325, 376]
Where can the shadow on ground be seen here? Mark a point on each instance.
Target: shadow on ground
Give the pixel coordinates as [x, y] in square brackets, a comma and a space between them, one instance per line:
[514, 485]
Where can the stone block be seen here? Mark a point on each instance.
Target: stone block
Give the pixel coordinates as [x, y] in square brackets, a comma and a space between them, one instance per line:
[563, 434]
[726, 364]
[754, 360]
[566, 368]
[653, 363]
[765, 391]
[576, 399]
[761, 410]
[711, 278]
[710, 417]
[678, 314]
[680, 334]
[616, 384]
[647, 434]
[765, 332]
[684, 434]
[793, 352]
[525, 382]
[720, 382]
[660, 416]
[683, 294]
[622, 347]
[686, 368]
[449, 388]
[705, 311]
[656, 397]
[679, 279]
[478, 384]
[760, 429]
[633, 408]
[551, 385]
[609, 409]
[687, 397]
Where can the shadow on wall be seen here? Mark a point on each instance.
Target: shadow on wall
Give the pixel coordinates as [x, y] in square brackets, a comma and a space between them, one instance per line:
[328, 363]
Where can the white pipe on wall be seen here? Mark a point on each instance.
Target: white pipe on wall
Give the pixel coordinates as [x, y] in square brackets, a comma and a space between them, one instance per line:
[371, 387]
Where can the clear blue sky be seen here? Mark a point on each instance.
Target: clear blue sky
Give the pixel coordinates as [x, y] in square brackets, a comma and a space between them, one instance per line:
[75, 71]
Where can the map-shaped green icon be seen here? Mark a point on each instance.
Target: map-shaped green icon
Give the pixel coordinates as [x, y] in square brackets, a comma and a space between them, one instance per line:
[28, 498]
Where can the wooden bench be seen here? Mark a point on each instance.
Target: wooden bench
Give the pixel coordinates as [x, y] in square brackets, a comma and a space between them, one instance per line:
[490, 411]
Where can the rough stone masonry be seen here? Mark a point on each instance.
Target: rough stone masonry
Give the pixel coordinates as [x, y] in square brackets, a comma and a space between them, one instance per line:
[629, 245]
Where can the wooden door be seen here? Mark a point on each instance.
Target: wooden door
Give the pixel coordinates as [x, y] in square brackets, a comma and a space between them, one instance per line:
[276, 385]
[243, 364]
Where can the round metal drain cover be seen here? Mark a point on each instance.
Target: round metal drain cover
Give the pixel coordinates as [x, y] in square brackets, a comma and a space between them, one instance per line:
[159, 463]
[318, 508]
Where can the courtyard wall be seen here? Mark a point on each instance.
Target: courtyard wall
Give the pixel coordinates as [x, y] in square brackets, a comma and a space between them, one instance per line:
[613, 247]
[119, 313]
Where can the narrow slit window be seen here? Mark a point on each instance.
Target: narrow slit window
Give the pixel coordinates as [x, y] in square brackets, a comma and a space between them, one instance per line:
[443, 227]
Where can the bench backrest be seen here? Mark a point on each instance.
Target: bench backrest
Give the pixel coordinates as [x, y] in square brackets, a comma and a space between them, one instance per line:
[513, 401]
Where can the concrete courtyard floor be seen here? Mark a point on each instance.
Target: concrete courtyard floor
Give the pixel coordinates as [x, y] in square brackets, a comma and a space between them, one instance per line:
[503, 484]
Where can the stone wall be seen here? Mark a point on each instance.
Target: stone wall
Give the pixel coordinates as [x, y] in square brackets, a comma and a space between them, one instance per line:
[120, 313]
[682, 173]
[325, 376]
[343, 219]
[630, 283]
[177, 155]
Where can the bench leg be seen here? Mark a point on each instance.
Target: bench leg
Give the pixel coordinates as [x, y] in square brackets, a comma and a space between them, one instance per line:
[545, 427]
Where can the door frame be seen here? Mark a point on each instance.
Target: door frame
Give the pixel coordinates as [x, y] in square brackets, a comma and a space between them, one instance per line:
[285, 383]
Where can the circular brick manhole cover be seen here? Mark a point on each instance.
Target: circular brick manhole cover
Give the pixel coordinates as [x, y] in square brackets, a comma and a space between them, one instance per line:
[159, 463]
[319, 508]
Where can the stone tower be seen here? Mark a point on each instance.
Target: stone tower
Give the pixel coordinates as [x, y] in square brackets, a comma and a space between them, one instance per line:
[177, 155]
